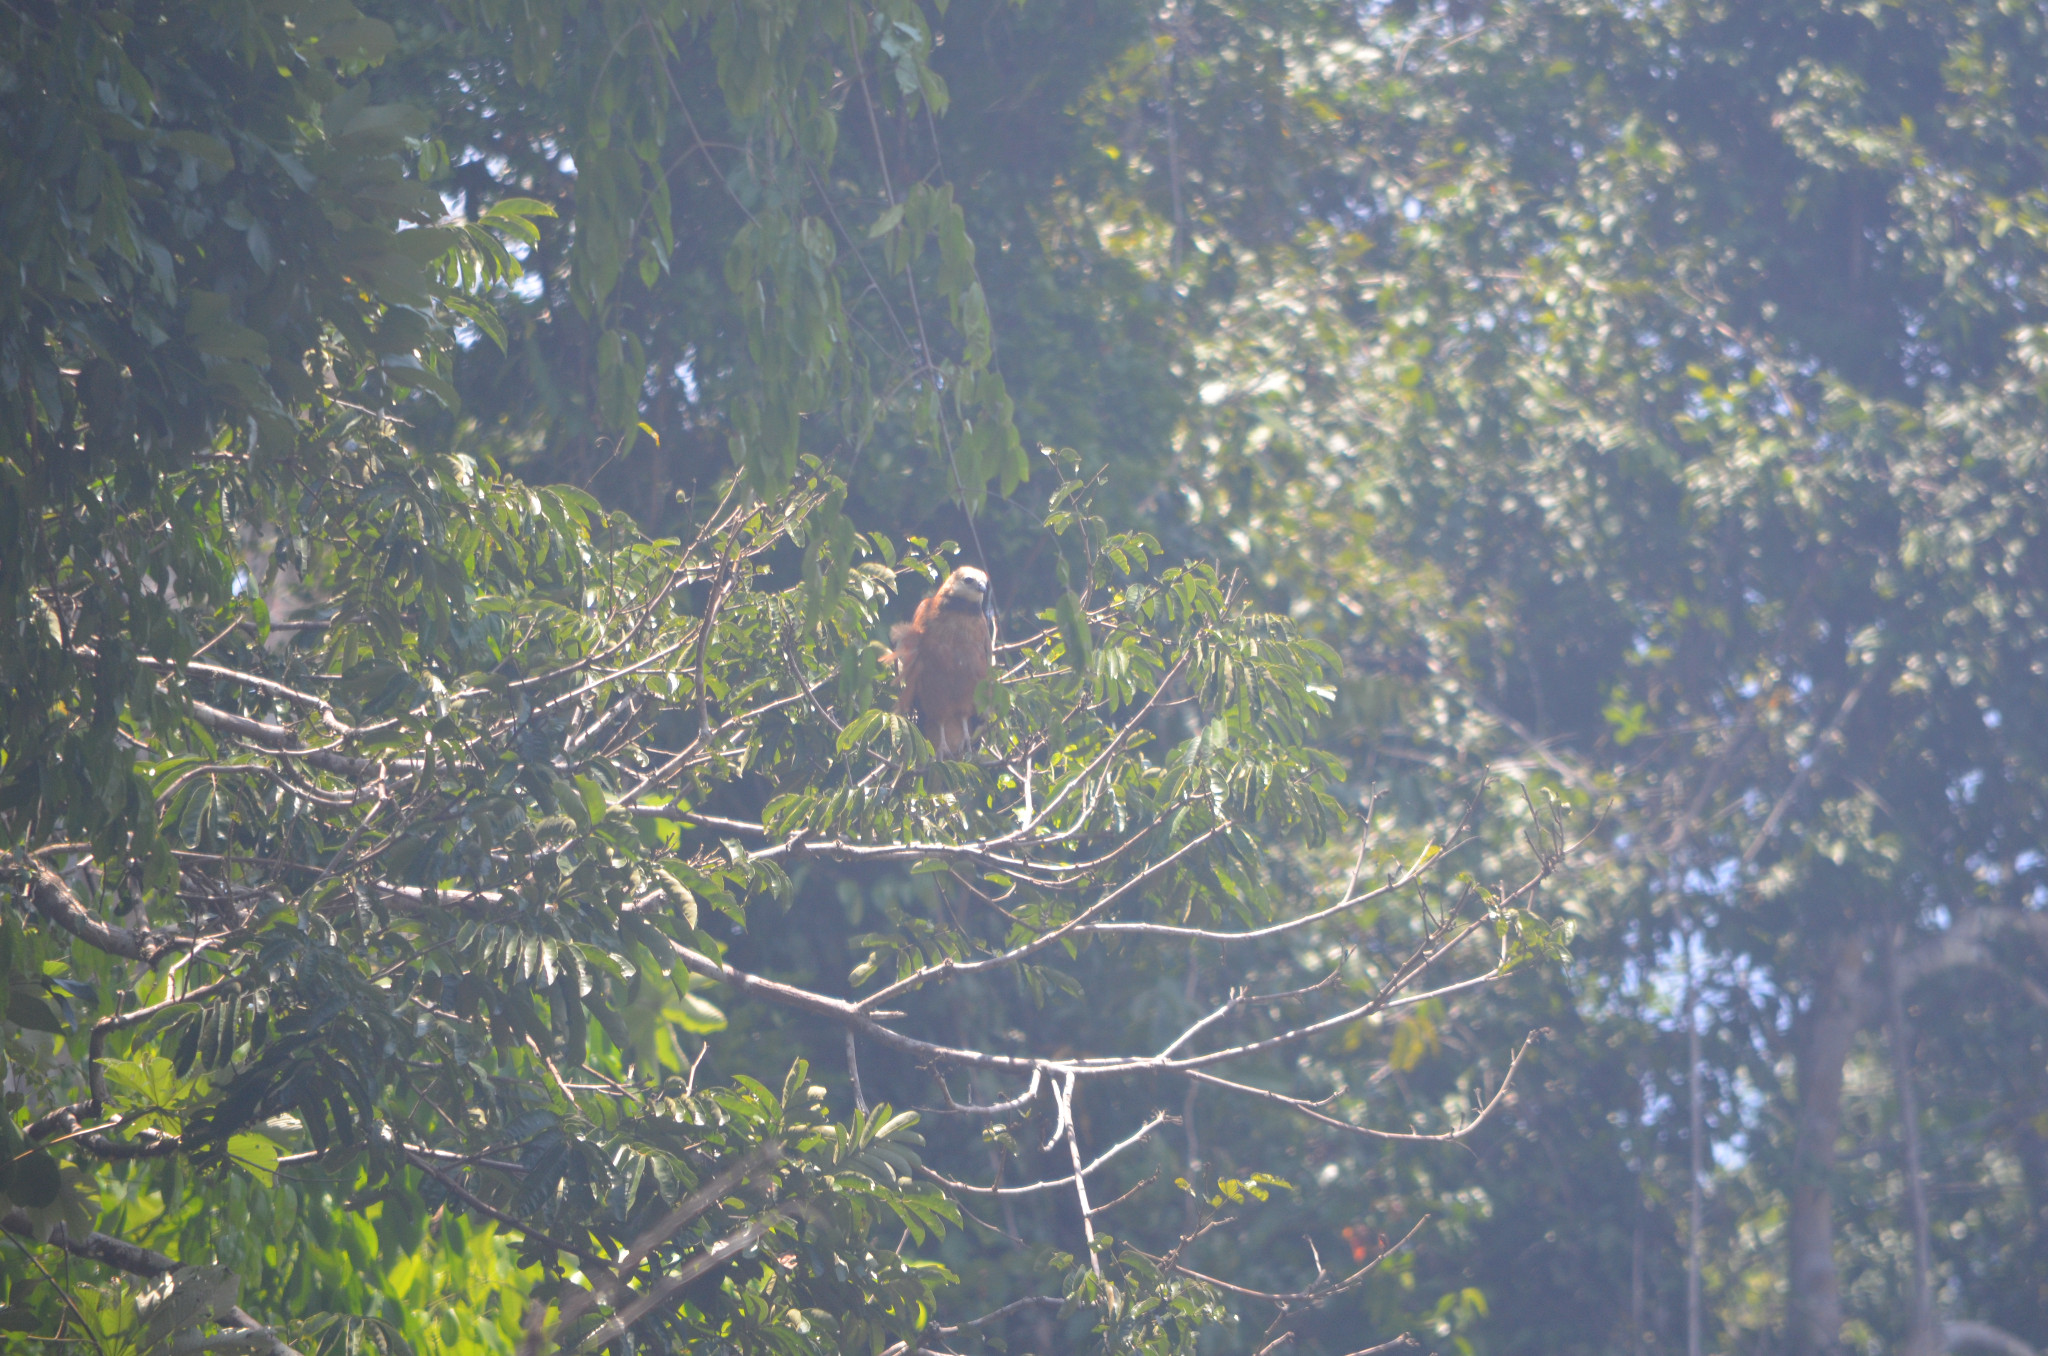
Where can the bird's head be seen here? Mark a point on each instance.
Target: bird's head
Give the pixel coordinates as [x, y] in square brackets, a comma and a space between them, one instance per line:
[965, 590]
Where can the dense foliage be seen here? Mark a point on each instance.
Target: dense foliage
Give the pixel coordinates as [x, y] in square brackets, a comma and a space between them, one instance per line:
[387, 836]
[1652, 398]
[523, 907]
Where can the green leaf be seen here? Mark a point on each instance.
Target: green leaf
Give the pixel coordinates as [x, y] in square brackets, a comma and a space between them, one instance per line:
[215, 331]
[1073, 627]
[886, 222]
[33, 1181]
[380, 129]
[211, 149]
[25, 1008]
[693, 1013]
[256, 1153]
[974, 325]
[679, 895]
[192, 820]
[621, 368]
[359, 39]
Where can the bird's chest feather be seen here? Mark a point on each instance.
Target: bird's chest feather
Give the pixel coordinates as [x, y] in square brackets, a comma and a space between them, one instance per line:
[955, 647]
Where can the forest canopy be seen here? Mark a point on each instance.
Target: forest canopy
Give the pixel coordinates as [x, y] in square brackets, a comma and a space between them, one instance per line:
[1504, 809]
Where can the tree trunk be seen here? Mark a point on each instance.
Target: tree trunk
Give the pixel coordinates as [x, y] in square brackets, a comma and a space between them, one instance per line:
[1923, 1336]
[1696, 1145]
[1814, 1314]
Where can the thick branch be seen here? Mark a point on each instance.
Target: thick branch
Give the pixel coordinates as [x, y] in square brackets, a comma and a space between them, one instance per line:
[1966, 1334]
[105, 1249]
[278, 739]
[1972, 939]
[54, 900]
[62, 1126]
[137, 1260]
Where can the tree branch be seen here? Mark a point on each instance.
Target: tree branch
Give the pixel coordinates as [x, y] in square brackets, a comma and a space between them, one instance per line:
[1159, 1118]
[1028, 1302]
[54, 900]
[1971, 939]
[1307, 1108]
[105, 1249]
[280, 740]
[719, 1253]
[1962, 1334]
[1313, 1293]
[587, 1256]
[136, 1260]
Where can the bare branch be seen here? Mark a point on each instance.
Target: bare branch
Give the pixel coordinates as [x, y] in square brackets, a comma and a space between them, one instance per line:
[280, 740]
[1307, 1108]
[950, 968]
[251, 680]
[1014, 1306]
[607, 1280]
[1315, 1293]
[1065, 1093]
[62, 1127]
[1241, 999]
[1099, 1211]
[696, 1203]
[1405, 1342]
[719, 1253]
[853, 1014]
[1423, 861]
[54, 900]
[1159, 1118]
[953, 1108]
[1970, 940]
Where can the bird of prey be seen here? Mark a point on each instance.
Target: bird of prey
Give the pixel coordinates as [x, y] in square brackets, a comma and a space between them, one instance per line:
[941, 653]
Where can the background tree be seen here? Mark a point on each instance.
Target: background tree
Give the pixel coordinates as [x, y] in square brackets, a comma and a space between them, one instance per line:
[1652, 398]
[381, 932]
[1645, 405]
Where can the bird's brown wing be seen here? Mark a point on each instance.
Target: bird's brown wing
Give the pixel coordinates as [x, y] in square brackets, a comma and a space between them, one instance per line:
[952, 658]
[903, 658]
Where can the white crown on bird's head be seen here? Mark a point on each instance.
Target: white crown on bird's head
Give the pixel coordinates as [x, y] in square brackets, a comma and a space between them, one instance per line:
[966, 587]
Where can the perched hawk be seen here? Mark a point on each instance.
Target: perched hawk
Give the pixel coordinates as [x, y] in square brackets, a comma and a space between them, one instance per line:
[941, 654]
